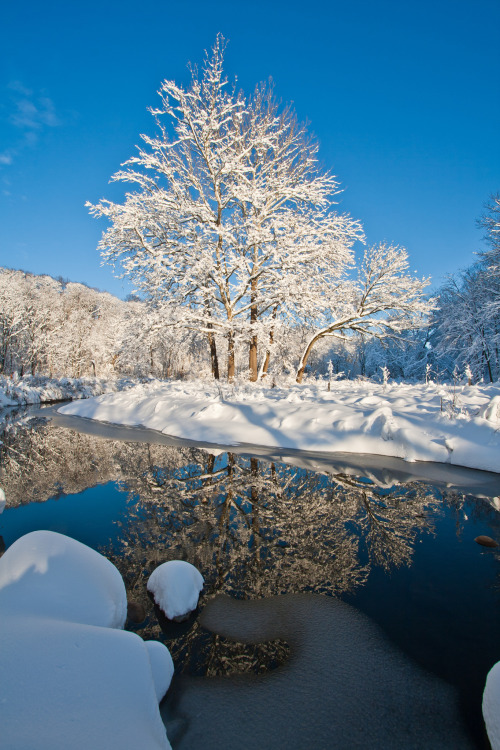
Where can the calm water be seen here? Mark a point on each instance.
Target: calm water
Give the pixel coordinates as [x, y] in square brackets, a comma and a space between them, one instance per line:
[396, 548]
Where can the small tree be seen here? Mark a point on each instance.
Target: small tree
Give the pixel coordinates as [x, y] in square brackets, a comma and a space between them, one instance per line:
[382, 302]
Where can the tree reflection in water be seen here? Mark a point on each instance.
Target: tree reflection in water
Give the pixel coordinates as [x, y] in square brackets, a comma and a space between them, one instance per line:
[257, 529]
[254, 528]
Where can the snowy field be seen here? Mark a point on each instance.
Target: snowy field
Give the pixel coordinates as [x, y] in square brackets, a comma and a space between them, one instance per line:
[446, 424]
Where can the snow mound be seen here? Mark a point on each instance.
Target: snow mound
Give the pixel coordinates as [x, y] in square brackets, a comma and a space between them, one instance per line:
[162, 667]
[491, 411]
[66, 685]
[175, 586]
[70, 677]
[48, 574]
[491, 706]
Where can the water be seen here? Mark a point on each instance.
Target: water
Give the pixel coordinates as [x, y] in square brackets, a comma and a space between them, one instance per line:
[369, 532]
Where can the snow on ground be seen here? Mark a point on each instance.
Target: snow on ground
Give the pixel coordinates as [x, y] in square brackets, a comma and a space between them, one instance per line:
[70, 677]
[37, 389]
[176, 585]
[456, 425]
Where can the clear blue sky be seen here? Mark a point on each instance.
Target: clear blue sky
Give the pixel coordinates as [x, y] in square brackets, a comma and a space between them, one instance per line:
[403, 97]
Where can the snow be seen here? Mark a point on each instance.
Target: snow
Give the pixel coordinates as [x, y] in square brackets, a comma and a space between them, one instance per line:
[50, 575]
[491, 706]
[175, 586]
[428, 422]
[162, 667]
[70, 676]
[38, 389]
[3, 500]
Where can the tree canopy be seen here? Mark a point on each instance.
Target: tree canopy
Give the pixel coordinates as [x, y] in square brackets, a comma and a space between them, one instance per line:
[232, 230]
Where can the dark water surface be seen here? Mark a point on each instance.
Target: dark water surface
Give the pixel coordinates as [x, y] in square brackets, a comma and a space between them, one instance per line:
[392, 541]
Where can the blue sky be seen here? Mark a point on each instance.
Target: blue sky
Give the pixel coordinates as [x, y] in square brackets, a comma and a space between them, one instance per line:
[403, 97]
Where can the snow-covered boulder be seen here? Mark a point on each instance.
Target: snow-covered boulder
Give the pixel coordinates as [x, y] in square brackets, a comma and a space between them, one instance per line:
[67, 685]
[491, 706]
[162, 667]
[176, 586]
[71, 678]
[48, 574]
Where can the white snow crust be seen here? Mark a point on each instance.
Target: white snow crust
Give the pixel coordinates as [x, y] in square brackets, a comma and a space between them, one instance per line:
[459, 426]
[491, 706]
[70, 677]
[176, 586]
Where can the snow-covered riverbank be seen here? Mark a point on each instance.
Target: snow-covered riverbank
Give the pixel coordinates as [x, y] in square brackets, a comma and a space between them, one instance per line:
[459, 426]
[37, 389]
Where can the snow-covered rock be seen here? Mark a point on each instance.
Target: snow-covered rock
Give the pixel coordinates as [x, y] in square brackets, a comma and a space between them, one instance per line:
[67, 685]
[162, 667]
[491, 706]
[71, 678]
[176, 586]
[50, 575]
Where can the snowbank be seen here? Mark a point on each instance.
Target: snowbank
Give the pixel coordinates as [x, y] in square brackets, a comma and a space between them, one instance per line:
[414, 422]
[176, 586]
[70, 677]
[36, 389]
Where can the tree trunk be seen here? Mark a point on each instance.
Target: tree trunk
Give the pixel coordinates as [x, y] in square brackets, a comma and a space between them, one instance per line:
[213, 356]
[254, 497]
[305, 357]
[265, 366]
[488, 365]
[252, 358]
[230, 356]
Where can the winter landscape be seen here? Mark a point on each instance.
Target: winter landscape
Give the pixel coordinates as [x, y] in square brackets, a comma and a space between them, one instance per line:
[259, 478]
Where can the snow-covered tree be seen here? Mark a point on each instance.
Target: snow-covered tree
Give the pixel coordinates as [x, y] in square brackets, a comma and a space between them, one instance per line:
[467, 324]
[232, 223]
[490, 221]
[467, 333]
[383, 301]
[12, 322]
